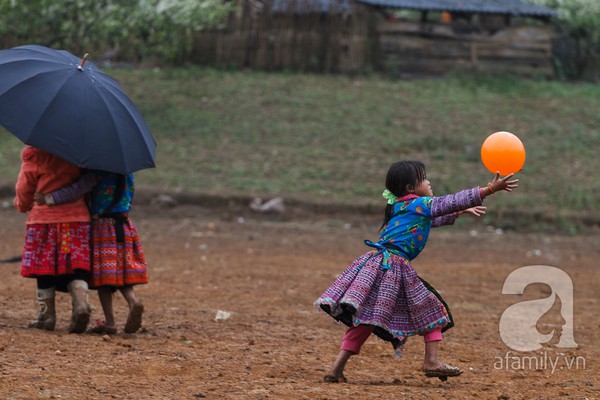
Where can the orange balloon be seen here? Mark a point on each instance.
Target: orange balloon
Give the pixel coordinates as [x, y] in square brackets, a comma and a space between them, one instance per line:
[503, 152]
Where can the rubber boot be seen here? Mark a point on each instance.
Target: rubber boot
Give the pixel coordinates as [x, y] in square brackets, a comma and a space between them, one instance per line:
[80, 314]
[47, 315]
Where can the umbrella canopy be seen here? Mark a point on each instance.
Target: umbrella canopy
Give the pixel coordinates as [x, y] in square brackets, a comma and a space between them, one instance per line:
[55, 101]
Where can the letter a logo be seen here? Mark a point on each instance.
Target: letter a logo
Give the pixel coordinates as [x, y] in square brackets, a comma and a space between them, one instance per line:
[518, 322]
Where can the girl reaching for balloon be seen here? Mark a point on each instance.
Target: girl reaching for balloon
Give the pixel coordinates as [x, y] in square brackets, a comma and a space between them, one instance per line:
[380, 292]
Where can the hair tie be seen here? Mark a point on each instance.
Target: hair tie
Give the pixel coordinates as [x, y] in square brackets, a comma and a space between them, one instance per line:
[389, 196]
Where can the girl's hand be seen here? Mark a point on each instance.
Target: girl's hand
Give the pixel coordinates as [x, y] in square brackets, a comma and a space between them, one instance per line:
[477, 211]
[39, 198]
[504, 183]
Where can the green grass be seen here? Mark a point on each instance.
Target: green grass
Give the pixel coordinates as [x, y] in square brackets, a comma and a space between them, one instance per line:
[332, 138]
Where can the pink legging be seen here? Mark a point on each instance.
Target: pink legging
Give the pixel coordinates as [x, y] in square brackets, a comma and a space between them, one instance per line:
[356, 336]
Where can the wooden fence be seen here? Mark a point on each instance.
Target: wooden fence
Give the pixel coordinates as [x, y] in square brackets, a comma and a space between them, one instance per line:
[435, 48]
[361, 39]
[261, 39]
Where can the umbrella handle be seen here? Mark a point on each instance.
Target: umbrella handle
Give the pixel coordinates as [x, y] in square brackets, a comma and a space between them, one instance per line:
[83, 60]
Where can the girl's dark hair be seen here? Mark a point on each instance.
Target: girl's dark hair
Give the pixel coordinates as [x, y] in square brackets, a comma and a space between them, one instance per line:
[400, 175]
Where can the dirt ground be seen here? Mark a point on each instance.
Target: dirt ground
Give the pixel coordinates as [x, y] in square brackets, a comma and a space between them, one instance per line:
[266, 271]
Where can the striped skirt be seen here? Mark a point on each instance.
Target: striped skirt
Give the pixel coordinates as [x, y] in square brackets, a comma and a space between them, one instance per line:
[117, 255]
[396, 301]
[56, 249]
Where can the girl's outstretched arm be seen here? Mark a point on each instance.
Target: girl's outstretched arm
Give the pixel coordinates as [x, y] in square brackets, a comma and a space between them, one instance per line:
[447, 206]
[450, 204]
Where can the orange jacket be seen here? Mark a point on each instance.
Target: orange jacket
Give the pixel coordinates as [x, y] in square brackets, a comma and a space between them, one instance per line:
[43, 172]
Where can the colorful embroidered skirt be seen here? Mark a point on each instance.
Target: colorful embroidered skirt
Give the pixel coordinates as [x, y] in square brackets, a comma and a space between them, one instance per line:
[115, 262]
[56, 249]
[397, 302]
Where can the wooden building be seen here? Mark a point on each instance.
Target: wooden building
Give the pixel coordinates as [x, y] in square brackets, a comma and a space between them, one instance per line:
[494, 36]
[400, 37]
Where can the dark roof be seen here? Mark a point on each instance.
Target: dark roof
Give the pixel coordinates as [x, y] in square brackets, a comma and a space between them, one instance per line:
[312, 6]
[511, 7]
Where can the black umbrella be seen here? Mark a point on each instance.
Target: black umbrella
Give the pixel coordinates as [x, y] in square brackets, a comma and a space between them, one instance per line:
[55, 101]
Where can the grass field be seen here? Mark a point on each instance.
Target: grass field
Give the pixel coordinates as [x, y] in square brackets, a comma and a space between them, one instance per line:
[331, 138]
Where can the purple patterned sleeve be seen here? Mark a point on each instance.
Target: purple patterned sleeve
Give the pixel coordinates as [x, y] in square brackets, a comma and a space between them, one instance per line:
[75, 190]
[452, 203]
[443, 220]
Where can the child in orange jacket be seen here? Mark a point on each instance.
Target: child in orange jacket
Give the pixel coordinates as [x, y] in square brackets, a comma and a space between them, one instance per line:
[56, 251]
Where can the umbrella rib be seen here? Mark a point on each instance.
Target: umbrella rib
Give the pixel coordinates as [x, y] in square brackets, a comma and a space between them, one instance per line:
[21, 61]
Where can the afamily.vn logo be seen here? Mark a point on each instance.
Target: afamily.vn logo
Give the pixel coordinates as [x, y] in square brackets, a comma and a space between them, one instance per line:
[518, 322]
[541, 361]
